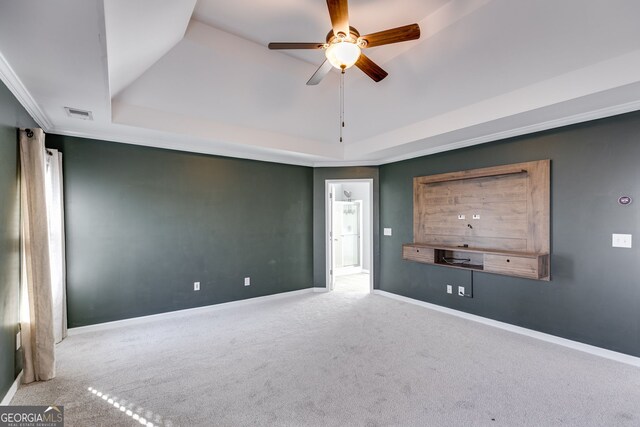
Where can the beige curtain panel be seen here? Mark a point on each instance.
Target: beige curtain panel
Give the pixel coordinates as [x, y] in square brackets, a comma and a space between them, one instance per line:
[36, 311]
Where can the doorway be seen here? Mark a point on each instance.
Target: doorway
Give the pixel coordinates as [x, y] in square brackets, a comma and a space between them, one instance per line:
[349, 233]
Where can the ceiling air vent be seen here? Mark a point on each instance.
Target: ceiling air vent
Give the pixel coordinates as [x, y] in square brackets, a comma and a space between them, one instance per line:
[78, 114]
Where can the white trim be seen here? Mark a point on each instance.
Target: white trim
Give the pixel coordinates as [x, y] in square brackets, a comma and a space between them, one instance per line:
[171, 314]
[18, 89]
[320, 289]
[365, 271]
[519, 131]
[328, 230]
[586, 348]
[327, 226]
[187, 147]
[170, 144]
[12, 390]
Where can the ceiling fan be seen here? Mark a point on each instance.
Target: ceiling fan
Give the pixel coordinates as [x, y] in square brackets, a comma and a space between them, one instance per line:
[344, 44]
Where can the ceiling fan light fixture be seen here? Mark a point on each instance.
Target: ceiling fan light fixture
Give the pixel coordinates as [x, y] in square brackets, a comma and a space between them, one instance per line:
[342, 54]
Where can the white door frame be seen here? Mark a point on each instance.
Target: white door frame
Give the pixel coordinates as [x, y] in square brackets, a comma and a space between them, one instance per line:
[327, 229]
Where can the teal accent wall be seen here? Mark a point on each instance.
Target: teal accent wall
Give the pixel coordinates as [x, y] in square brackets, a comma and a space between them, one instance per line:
[143, 224]
[594, 294]
[12, 116]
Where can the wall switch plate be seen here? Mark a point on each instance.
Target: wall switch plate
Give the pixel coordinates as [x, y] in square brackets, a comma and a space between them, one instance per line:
[387, 232]
[18, 341]
[196, 286]
[476, 216]
[621, 240]
[247, 281]
[449, 289]
[461, 291]
[461, 216]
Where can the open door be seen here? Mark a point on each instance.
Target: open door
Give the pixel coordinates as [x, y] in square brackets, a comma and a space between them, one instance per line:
[330, 255]
[349, 235]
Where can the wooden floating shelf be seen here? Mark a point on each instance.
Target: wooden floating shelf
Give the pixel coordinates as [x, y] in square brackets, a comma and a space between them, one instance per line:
[493, 219]
[519, 264]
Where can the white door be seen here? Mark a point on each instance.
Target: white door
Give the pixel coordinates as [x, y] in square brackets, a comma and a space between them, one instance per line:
[347, 238]
[330, 241]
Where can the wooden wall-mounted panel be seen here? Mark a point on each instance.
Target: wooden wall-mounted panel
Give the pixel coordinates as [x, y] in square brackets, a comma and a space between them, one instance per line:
[504, 208]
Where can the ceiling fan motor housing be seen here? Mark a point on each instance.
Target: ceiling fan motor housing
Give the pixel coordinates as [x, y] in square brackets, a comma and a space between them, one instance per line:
[352, 37]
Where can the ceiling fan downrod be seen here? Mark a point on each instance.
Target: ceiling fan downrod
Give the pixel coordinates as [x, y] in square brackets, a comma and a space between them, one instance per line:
[341, 102]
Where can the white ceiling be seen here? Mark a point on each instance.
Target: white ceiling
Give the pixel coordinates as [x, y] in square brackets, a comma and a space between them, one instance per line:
[197, 76]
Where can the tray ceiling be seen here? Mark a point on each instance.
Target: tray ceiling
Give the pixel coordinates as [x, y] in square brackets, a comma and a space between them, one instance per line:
[197, 76]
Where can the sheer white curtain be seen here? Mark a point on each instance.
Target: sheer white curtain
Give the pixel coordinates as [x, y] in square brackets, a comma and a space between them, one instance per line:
[55, 210]
[42, 308]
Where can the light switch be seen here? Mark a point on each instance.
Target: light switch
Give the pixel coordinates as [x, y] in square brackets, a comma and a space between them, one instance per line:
[621, 240]
[387, 232]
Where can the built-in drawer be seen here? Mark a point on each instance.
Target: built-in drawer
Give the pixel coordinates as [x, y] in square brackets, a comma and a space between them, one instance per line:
[513, 265]
[416, 253]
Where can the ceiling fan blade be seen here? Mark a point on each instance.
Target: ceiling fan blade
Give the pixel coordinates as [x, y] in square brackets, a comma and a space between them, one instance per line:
[394, 35]
[339, 13]
[370, 68]
[287, 45]
[322, 71]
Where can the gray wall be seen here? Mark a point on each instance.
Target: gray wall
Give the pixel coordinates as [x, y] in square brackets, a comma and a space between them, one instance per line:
[320, 175]
[594, 294]
[143, 224]
[12, 116]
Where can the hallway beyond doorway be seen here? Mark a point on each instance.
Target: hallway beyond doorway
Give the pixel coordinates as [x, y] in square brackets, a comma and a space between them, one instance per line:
[355, 283]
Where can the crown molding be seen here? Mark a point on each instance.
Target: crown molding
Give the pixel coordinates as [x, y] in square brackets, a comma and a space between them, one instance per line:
[284, 159]
[170, 144]
[18, 89]
[573, 119]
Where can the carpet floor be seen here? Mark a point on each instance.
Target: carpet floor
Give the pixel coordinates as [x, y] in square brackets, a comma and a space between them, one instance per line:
[332, 359]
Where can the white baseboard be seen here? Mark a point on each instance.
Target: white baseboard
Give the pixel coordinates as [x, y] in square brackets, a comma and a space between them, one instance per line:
[12, 390]
[365, 271]
[319, 289]
[597, 351]
[144, 319]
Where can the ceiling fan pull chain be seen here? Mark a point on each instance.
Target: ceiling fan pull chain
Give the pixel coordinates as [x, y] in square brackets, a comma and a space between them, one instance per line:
[341, 103]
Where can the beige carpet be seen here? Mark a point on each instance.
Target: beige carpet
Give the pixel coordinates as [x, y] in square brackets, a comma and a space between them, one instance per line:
[334, 359]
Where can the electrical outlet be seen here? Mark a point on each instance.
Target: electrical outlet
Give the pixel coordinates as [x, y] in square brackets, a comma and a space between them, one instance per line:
[449, 289]
[387, 232]
[247, 281]
[461, 216]
[196, 286]
[461, 291]
[621, 240]
[476, 216]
